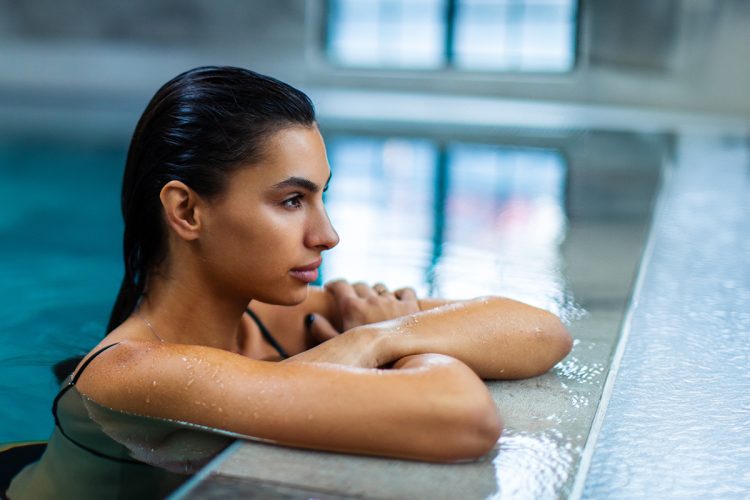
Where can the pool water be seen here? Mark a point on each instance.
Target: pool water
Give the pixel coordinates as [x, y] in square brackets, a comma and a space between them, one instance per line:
[555, 219]
[60, 231]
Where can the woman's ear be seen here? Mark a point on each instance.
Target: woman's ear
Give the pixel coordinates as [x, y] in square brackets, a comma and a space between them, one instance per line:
[182, 209]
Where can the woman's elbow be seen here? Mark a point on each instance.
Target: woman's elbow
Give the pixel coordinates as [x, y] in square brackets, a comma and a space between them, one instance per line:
[557, 342]
[560, 339]
[477, 427]
[486, 426]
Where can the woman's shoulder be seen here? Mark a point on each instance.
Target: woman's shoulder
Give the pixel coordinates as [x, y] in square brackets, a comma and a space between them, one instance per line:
[125, 372]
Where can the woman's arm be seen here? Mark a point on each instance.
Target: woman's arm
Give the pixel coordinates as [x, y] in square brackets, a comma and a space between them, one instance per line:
[498, 338]
[430, 407]
[288, 325]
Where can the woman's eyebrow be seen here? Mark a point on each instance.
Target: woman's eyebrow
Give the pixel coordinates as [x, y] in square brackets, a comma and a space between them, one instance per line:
[302, 183]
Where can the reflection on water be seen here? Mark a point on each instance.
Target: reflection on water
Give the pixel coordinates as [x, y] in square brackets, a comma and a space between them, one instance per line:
[457, 220]
[533, 465]
[381, 201]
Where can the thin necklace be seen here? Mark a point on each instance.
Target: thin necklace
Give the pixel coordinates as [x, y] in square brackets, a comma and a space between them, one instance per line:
[150, 326]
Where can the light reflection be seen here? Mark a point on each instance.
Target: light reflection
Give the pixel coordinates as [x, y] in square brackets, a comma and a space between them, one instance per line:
[533, 465]
[504, 224]
[381, 203]
[462, 221]
[574, 370]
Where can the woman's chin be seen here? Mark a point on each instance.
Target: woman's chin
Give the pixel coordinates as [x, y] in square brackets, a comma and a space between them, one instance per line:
[294, 295]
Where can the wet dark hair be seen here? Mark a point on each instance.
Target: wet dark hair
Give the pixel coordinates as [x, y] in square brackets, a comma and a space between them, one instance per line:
[198, 128]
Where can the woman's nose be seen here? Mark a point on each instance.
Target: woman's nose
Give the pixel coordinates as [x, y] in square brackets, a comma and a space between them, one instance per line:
[323, 235]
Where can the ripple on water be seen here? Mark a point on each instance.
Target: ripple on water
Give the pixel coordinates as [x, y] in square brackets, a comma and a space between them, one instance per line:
[533, 465]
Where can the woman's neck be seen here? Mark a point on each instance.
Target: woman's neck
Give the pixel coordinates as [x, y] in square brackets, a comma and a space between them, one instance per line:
[182, 312]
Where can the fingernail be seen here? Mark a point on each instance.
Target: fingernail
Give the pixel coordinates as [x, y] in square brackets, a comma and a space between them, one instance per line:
[309, 320]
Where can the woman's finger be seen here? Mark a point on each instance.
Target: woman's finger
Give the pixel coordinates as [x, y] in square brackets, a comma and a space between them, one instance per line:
[381, 290]
[363, 290]
[406, 293]
[341, 289]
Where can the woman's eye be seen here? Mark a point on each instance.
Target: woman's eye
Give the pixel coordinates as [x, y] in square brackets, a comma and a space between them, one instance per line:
[293, 202]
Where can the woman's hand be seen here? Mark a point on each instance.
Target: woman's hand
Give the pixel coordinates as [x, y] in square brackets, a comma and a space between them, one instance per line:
[360, 304]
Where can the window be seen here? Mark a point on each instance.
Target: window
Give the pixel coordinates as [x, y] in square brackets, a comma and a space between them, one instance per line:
[387, 33]
[489, 35]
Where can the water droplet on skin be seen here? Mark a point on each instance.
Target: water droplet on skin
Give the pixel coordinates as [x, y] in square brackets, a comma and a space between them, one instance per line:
[153, 383]
[184, 358]
[221, 410]
[190, 382]
[148, 399]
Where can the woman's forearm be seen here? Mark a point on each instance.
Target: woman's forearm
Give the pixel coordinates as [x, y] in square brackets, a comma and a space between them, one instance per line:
[498, 338]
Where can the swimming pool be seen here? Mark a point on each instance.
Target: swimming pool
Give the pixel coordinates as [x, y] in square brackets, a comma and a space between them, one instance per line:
[555, 219]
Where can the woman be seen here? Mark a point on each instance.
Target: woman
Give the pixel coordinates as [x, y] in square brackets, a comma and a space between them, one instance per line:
[222, 201]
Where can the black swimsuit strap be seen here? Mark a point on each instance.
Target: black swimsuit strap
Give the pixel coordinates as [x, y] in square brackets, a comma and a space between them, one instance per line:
[62, 392]
[267, 335]
[91, 358]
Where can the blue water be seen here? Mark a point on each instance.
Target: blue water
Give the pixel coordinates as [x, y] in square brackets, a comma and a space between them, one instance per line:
[59, 262]
[456, 220]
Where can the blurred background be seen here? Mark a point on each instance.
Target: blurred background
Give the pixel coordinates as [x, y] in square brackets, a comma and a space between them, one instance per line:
[105, 59]
[512, 147]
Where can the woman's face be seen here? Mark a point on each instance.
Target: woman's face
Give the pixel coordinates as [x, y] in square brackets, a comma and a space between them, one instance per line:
[264, 236]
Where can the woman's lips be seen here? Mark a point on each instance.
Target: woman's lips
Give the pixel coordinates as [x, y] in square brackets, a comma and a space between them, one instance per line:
[308, 273]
